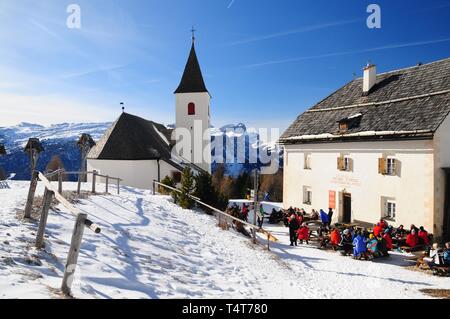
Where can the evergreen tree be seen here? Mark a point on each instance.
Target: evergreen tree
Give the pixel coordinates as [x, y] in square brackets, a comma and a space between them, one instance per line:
[205, 190]
[169, 181]
[241, 185]
[187, 188]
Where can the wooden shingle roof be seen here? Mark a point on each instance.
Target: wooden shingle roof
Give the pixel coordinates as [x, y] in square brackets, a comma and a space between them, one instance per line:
[410, 102]
[133, 138]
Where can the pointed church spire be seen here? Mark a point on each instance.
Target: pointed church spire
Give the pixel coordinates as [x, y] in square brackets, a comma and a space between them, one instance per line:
[192, 80]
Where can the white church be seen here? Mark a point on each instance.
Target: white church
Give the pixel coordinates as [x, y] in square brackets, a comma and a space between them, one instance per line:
[139, 151]
[376, 148]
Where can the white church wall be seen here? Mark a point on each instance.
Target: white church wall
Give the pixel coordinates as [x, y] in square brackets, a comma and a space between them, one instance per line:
[183, 120]
[442, 160]
[139, 174]
[411, 189]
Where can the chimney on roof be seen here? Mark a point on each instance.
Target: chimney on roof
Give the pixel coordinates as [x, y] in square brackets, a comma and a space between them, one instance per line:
[370, 77]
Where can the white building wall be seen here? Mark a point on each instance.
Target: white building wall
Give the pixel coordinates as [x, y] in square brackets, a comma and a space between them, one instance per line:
[442, 160]
[412, 188]
[139, 174]
[202, 114]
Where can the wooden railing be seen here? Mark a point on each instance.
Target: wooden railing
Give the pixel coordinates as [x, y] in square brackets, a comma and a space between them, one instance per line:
[254, 228]
[61, 173]
[81, 222]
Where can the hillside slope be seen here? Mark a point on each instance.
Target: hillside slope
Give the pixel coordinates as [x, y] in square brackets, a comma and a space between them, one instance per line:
[148, 248]
[151, 248]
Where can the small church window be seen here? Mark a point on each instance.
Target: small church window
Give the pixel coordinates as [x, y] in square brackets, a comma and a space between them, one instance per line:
[191, 109]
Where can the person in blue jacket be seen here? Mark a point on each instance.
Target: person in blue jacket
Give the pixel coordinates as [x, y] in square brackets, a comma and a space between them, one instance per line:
[359, 246]
[324, 218]
[446, 257]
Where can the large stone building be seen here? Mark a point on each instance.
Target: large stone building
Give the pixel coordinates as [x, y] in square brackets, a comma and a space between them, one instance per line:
[376, 148]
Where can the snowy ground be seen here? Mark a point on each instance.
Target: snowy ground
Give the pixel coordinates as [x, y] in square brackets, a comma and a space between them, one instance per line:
[150, 248]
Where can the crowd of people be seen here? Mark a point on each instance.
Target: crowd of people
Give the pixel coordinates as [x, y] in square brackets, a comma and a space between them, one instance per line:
[363, 243]
[360, 243]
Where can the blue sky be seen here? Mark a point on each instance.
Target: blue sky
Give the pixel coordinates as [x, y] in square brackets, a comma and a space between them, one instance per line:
[264, 62]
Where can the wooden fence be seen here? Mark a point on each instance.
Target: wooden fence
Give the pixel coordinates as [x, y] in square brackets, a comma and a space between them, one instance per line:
[220, 214]
[61, 173]
[81, 222]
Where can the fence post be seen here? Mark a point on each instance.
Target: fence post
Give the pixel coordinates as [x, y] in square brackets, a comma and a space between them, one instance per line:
[48, 196]
[254, 235]
[268, 242]
[60, 181]
[74, 250]
[94, 177]
[106, 185]
[31, 192]
[154, 186]
[118, 186]
[79, 183]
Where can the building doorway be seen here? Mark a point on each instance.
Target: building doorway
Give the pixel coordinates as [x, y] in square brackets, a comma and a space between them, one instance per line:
[446, 228]
[347, 208]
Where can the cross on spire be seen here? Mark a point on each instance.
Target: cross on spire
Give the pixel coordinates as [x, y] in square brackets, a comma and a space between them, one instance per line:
[193, 34]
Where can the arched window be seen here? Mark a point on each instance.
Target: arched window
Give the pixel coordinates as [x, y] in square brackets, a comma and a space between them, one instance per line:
[191, 109]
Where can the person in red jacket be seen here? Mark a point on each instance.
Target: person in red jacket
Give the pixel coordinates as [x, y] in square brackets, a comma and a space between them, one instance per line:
[411, 239]
[299, 217]
[335, 238]
[303, 234]
[387, 237]
[383, 224]
[423, 236]
[377, 230]
[245, 212]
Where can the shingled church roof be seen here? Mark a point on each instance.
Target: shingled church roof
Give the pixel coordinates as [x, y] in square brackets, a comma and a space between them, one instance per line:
[192, 80]
[133, 138]
[406, 103]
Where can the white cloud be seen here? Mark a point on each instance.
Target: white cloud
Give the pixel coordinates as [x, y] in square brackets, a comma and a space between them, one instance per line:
[48, 109]
[303, 29]
[333, 54]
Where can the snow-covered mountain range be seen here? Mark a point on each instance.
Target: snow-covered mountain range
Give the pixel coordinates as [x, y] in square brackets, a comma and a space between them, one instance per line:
[60, 139]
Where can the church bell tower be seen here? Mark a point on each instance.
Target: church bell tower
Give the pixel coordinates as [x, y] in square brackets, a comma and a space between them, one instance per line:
[193, 112]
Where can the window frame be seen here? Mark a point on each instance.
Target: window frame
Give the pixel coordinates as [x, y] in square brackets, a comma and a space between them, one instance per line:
[307, 161]
[307, 195]
[391, 169]
[390, 209]
[191, 108]
[347, 164]
[343, 127]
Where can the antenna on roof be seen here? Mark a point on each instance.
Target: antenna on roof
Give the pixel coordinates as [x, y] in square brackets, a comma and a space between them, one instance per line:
[193, 34]
[123, 107]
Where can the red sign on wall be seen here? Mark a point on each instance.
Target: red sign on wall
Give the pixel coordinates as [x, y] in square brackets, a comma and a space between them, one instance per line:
[332, 199]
